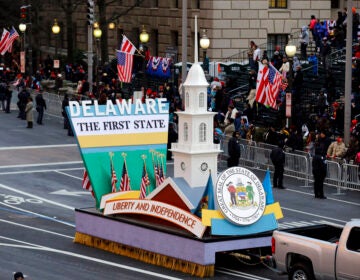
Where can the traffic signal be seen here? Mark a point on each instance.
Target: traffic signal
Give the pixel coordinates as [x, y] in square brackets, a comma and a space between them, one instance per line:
[90, 12]
[23, 13]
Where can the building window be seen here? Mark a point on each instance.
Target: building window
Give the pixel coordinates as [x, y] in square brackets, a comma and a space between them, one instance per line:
[154, 42]
[187, 99]
[275, 40]
[174, 4]
[201, 100]
[186, 132]
[154, 4]
[195, 4]
[278, 4]
[202, 132]
[335, 4]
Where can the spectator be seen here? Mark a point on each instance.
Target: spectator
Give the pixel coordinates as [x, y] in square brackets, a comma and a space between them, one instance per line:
[352, 149]
[319, 170]
[322, 142]
[313, 60]
[325, 50]
[22, 100]
[234, 150]
[40, 107]
[304, 41]
[277, 157]
[251, 55]
[231, 113]
[271, 136]
[336, 149]
[285, 67]
[256, 57]
[244, 127]
[297, 84]
[312, 26]
[18, 276]
[29, 112]
[8, 96]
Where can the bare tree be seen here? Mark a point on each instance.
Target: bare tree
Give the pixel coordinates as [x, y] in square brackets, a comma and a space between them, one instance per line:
[103, 21]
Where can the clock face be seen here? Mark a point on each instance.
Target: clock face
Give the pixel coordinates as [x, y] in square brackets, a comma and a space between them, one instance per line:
[182, 165]
[204, 166]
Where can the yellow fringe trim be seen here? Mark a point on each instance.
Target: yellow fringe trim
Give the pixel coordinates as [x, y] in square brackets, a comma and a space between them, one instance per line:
[145, 256]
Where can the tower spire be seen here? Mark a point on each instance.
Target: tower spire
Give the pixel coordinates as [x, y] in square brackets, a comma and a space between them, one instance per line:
[196, 42]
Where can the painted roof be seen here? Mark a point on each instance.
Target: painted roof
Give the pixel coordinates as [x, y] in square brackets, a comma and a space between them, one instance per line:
[196, 76]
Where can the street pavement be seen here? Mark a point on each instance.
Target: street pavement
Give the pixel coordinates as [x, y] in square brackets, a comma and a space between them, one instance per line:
[40, 186]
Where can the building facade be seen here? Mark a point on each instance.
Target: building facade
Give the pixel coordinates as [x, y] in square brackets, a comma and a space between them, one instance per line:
[230, 24]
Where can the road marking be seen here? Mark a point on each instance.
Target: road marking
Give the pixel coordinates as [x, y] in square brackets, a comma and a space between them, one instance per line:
[41, 164]
[37, 229]
[232, 272]
[314, 215]
[70, 193]
[37, 197]
[69, 175]
[37, 147]
[45, 170]
[27, 245]
[37, 215]
[328, 198]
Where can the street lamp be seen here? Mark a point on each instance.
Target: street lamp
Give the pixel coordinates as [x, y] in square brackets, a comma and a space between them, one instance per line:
[56, 30]
[144, 36]
[204, 44]
[97, 34]
[22, 28]
[290, 51]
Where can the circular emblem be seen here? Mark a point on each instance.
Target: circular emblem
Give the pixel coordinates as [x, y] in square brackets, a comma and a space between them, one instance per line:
[182, 165]
[240, 196]
[204, 166]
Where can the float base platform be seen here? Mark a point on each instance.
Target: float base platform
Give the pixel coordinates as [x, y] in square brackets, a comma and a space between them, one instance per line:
[160, 245]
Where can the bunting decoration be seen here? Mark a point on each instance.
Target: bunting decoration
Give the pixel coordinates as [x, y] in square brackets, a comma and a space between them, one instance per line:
[159, 67]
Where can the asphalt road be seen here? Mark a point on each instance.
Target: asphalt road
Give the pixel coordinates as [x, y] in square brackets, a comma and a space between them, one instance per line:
[40, 186]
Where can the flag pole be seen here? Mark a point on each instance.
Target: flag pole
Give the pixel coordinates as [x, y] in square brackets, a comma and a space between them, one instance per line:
[146, 174]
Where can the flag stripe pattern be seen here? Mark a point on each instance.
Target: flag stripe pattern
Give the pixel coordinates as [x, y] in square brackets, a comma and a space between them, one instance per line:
[144, 183]
[125, 180]
[268, 84]
[127, 46]
[124, 66]
[4, 38]
[86, 182]
[9, 42]
[113, 179]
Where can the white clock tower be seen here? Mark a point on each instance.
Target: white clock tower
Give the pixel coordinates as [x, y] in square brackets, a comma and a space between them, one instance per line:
[195, 153]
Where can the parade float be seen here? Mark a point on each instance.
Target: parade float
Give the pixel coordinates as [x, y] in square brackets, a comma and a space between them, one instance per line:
[177, 222]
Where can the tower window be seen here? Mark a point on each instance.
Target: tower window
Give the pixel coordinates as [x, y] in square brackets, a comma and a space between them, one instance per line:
[201, 100]
[186, 132]
[202, 132]
[187, 99]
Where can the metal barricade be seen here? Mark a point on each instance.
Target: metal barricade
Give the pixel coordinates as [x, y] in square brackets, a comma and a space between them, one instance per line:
[334, 175]
[297, 166]
[351, 177]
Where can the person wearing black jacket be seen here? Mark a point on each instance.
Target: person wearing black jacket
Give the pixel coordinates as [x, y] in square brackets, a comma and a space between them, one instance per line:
[277, 157]
[319, 169]
[234, 150]
[40, 107]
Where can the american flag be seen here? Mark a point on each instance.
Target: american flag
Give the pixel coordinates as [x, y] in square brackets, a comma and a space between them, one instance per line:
[4, 38]
[113, 178]
[127, 46]
[144, 183]
[9, 42]
[267, 85]
[161, 174]
[124, 66]
[86, 184]
[157, 174]
[125, 180]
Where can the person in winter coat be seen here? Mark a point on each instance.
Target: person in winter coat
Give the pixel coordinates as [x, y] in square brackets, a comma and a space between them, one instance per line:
[277, 157]
[304, 41]
[319, 169]
[234, 149]
[336, 149]
[29, 112]
[40, 107]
